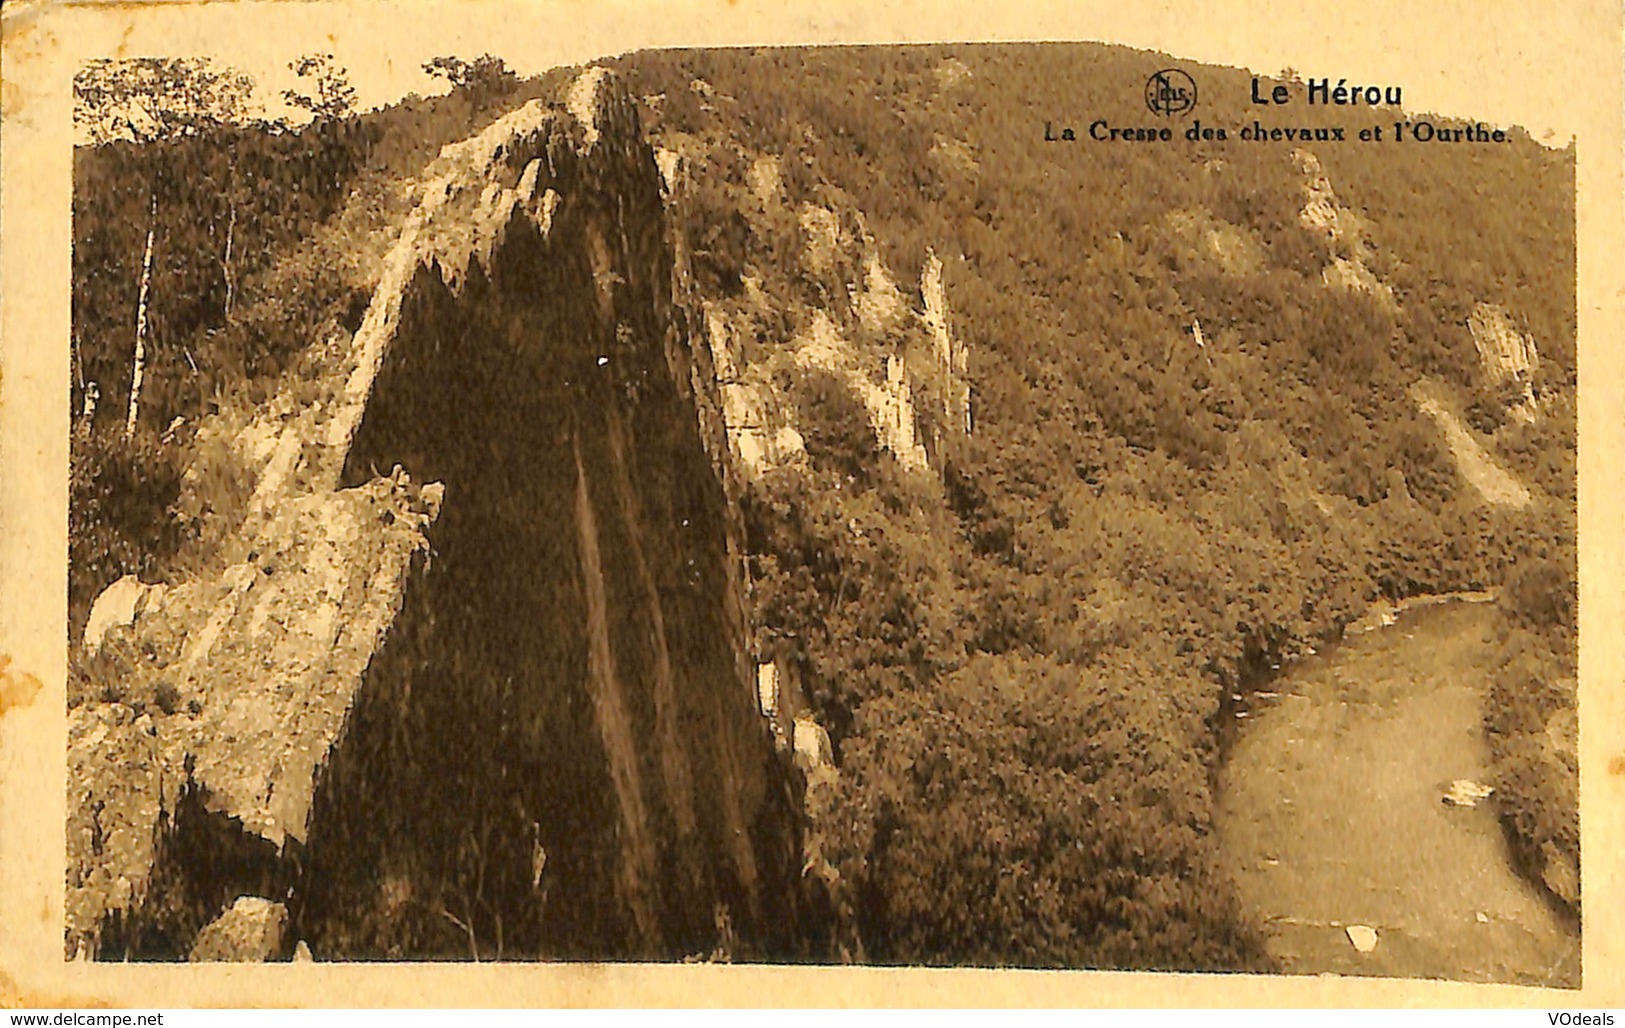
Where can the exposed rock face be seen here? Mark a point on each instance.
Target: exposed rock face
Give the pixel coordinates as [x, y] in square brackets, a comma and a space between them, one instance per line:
[1321, 211]
[761, 422]
[1506, 355]
[1343, 273]
[1560, 872]
[950, 351]
[851, 328]
[558, 752]
[758, 431]
[1343, 229]
[123, 778]
[1475, 463]
[1505, 352]
[251, 929]
[418, 689]
[116, 607]
[812, 744]
[257, 659]
[767, 689]
[233, 690]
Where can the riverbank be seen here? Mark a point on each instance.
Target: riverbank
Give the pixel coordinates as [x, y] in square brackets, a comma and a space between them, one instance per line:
[1330, 812]
[1383, 612]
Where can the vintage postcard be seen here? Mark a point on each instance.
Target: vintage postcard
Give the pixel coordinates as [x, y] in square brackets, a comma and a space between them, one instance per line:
[784, 504]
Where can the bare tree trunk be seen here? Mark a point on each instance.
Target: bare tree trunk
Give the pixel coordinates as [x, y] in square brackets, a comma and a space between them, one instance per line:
[231, 231]
[141, 321]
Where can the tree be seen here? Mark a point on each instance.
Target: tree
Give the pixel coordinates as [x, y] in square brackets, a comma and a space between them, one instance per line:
[149, 100]
[333, 96]
[486, 74]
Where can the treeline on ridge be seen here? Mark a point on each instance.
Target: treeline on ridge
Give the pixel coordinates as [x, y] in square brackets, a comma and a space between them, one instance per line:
[1022, 661]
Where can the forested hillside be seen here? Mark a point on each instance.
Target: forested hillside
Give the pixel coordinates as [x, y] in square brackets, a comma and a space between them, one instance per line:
[263, 238]
[1039, 455]
[1023, 659]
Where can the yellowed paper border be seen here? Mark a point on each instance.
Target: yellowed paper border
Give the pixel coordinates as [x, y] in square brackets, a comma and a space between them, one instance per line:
[1554, 68]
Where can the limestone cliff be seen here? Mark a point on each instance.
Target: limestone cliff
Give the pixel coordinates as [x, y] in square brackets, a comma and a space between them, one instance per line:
[505, 714]
[1506, 357]
[882, 346]
[1343, 228]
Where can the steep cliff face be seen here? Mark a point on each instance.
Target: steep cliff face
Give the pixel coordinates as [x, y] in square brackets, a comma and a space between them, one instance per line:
[1343, 229]
[556, 753]
[1506, 357]
[730, 621]
[506, 714]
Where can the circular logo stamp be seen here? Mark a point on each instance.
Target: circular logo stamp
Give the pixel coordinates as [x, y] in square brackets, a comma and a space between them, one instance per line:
[1170, 92]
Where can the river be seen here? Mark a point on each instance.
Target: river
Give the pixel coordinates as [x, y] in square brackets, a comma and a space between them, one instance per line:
[1331, 814]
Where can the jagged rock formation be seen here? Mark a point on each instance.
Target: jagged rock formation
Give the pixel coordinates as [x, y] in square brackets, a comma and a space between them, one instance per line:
[864, 331]
[759, 437]
[1507, 356]
[1343, 229]
[896, 356]
[1504, 353]
[1475, 463]
[951, 354]
[251, 929]
[639, 787]
[232, 688]
[761, 420]
[613, 794]
[1321, 211]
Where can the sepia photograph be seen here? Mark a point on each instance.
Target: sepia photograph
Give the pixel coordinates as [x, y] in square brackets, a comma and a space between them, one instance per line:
[1010, 504]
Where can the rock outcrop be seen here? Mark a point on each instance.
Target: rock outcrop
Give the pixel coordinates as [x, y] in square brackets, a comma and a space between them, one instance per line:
[250, 930]
[1476, 464]
[1506, 356]
[610, 784]
[233, 688]
[894, 353]
[761, 420]
[1342, 228]
[950, 351]
[352, 691]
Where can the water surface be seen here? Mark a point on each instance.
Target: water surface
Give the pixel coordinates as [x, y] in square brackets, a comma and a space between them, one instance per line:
[1331, 814]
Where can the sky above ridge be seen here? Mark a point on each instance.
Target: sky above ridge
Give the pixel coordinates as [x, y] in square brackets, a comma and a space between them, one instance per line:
[1452, 57]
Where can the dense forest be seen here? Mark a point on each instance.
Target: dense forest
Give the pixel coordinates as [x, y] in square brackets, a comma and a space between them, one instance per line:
[1193, 457]
[260, 233]
[1022, 663]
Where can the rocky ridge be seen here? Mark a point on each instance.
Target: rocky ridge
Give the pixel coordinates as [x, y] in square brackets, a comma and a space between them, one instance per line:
[228, 686]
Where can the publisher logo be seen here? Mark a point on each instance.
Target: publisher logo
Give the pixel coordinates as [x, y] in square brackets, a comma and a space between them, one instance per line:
[1170, 92]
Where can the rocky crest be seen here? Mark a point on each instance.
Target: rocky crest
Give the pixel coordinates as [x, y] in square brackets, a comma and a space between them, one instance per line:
[249, 691]
[1507, 357]
[1343, 229]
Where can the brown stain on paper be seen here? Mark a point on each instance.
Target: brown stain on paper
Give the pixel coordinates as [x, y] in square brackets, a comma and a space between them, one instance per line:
[17, 688]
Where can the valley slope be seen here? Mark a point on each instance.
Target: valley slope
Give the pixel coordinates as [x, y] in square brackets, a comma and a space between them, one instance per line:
[943, 488]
